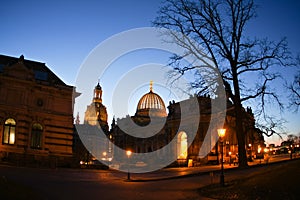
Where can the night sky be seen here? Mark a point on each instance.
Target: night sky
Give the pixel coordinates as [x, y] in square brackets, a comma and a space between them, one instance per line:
[63, 33]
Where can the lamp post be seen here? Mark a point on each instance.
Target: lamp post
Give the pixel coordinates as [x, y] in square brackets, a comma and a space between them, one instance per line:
[221, 134]
[291, 150]
[250, 152]
[259, 153]
[128, 153]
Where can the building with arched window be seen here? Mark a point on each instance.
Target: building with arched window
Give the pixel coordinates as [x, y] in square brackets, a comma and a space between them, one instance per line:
[136, 132]
[36, 116]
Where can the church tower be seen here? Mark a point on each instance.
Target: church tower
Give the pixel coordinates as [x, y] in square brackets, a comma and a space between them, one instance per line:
[96, 112]
[98, 94]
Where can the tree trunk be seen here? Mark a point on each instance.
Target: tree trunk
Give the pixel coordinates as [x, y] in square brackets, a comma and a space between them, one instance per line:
[240, 132]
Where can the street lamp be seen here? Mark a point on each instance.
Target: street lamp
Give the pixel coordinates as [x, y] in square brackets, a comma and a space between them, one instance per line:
[259, 151]
[128, 153]
[250, 152]
[221, 134]
[291, 155]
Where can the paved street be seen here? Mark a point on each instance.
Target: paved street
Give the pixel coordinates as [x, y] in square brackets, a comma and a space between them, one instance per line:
[102, 184]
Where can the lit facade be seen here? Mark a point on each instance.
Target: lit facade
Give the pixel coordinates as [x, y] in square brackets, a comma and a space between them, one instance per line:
[96, 112]
[89, 140]
[152, 116]
[186, 147]
[36, 116]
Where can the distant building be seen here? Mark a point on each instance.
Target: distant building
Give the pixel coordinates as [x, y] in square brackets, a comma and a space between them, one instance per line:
[36, 116]
[96, 112]
[151, 108]
[89, 140]
[135, 133]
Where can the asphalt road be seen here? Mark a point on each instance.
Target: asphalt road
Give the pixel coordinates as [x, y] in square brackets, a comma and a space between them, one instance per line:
[106, 184]
[92, 184]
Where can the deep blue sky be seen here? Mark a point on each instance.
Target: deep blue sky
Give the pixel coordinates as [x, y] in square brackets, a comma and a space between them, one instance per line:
[62, 33]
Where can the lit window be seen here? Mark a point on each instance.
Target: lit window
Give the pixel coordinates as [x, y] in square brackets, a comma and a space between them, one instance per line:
[182, 146]
[9, 134]
[36, 136]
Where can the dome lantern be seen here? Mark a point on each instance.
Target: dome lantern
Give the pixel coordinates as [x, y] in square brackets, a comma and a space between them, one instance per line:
[151, 104]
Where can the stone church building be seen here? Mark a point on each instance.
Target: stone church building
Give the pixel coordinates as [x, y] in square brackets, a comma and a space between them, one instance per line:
[36, 116]
[135, 133]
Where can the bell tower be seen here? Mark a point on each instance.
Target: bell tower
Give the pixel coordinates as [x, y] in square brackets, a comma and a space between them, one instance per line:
[97, 94]
[96, 113]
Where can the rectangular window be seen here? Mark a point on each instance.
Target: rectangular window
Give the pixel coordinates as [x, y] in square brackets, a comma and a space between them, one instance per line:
[9, 135]
[6, 135]
[36, 139]
[39, 75]
[12, 135]
[1, 67]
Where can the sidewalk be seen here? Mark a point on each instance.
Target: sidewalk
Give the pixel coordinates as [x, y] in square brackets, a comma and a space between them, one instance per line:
[174, 173]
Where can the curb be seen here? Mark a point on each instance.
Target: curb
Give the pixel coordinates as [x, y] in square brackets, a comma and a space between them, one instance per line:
[209, 171]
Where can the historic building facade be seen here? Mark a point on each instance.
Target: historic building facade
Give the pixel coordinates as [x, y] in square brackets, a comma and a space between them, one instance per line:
[87, 137]
[151, 110]
[96, 112]
[36, 116]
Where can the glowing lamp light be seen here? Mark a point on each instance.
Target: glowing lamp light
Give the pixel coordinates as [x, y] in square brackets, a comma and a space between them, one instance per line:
[259, 149]
[266, 150]
[221, 132]
[128, 153]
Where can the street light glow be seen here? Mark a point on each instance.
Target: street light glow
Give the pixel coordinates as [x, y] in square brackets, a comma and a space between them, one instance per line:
[266, 150]
[259, 149]
[221, 132]
[128, 153]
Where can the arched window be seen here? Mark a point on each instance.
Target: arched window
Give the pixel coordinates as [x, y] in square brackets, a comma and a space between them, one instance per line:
[182, 145]
[36, 136]
[9, 133]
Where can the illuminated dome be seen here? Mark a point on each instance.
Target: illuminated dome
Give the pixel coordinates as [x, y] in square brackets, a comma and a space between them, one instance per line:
[151, 104]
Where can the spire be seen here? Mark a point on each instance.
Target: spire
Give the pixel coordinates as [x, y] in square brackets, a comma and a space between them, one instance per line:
[77, 121]
[113, 124]
[151, 86]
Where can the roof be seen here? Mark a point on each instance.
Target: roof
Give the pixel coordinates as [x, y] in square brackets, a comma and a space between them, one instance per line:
[151, 104]
[41, 72]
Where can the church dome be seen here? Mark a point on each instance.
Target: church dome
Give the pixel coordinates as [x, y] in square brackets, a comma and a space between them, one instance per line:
[151, 104]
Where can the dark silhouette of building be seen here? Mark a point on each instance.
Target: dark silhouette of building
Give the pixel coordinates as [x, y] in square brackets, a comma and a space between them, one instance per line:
[151, 113]
[89, 145]
[135, 133]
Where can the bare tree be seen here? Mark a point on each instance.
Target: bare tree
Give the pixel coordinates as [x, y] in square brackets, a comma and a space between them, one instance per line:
[219, 28]
[294, 87]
